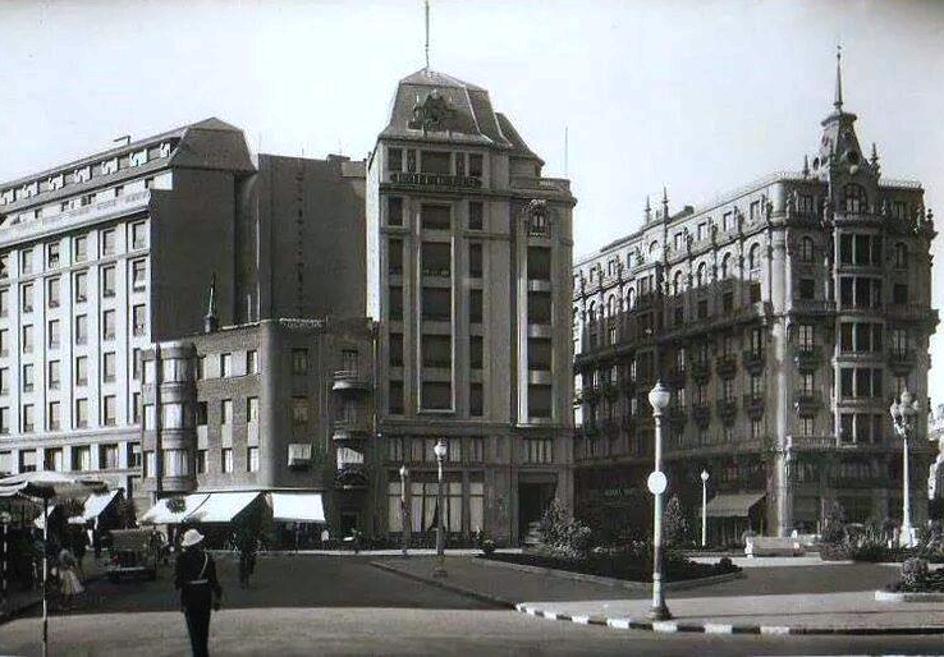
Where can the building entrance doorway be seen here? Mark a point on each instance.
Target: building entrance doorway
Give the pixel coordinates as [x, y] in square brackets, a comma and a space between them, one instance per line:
[533, 500]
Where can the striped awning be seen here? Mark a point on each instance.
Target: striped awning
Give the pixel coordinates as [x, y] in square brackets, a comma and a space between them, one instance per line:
[732, 505]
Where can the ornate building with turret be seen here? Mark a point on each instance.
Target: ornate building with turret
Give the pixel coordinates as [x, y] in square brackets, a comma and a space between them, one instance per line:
[785, 316]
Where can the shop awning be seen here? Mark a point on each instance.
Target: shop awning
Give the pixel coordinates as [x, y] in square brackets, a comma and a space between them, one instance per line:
[159, 514]
[222, 507]
[297, 507]
[95, 504]
[732, 505]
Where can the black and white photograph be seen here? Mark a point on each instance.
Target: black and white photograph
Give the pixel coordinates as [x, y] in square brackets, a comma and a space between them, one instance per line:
[437, 328]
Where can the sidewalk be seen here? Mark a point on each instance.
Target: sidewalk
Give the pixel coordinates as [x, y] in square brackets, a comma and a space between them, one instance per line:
[19, 601]
[776, 598]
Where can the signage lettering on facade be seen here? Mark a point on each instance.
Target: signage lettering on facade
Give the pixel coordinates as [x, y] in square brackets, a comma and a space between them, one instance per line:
[436, 179]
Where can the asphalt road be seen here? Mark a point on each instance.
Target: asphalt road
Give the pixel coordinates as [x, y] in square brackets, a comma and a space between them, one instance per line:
[305, 605]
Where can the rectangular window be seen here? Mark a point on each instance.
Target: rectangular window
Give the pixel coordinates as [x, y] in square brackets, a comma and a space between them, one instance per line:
[475, 260]
[4, 420]
[300, 410]
[252, 459]
[395, 310]
[807, 288]
[52, 255]
[139, 235]
[539, 401]
[436, 162]
[136, 408]
[436, 217]
[475, 306]
[81, 413]
[476, 400]
[806, 337]
[846, 375]
[108, 325]
[52, 292]
[108, 457]
[4, 381]
[395, 404]
[437, 351]
[52, 377]
[109, 410]
[202, 414]
[107, 238]
[436, 304]
[539, 307]
[80, 248]
[845, 249]
[437, 395]
[201, 461]
[29, 419]
[900, 294]
[139, 274]
[28, 378]
[436, 259]
[27, 338]
[396, 350]
[80, 280]
[476, 215]
[252, 409]
[252, 362]
[475, 165]
[28, 460]
[108, 367]
[539, 263]
[26, 261]
[394, 159]
[539, 354]
[395, 257]
[226, 411]
[139, 320]
[53, 333]
[227, 459]
[475, 352]
[226, 365]
[394, 211]
[4, 302]
[26, 297]
[299, 361]
[81, 370]
[108, 281]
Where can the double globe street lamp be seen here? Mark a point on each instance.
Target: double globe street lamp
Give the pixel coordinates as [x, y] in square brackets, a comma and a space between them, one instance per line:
[904, 417]
[659, 398]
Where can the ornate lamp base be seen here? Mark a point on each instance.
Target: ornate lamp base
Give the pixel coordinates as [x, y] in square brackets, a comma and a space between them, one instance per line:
[659, 613]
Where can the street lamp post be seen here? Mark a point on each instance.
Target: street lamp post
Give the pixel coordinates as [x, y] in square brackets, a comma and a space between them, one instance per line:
[5, 520]
[659, 399]
[404, 511]
[440, 570]
[904, 416]
[704, 508]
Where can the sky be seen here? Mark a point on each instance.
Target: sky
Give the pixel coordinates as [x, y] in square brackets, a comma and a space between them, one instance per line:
[701, 96]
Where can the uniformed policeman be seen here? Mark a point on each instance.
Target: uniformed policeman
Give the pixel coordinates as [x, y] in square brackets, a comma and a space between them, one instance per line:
[195, 576]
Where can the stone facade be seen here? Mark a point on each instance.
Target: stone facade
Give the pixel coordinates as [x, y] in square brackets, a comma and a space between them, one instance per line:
[784, 316]
[468, 263]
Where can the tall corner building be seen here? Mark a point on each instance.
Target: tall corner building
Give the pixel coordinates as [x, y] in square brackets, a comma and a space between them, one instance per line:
[785, 316]
[468, 270]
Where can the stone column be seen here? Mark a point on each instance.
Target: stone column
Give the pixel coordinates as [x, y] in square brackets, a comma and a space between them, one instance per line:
[781, 365]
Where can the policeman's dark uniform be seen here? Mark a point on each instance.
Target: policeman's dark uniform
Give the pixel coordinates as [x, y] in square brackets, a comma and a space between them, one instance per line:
[195, 576]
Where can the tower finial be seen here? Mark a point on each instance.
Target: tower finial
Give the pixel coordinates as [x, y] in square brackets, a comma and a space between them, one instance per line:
[806, 166]
[648, 209]
[427, 34]
[665, 202]
[837, 103]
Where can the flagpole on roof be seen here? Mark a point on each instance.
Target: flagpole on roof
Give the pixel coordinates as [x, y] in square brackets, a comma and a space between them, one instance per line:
[426, 4]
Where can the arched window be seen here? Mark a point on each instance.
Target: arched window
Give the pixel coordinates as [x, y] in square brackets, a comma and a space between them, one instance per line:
[854, 198]
[806, 249]
[901, 255]
[653, 247]
[701, 276]
[678, 285]
[592, 311]
[630, 299]
[726, 265]
[753, 258]
[611, 306]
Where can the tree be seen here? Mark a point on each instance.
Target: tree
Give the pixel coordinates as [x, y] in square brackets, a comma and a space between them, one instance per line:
[675, 528]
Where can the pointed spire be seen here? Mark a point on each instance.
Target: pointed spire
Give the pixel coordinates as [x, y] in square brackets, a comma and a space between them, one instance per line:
[648, 209]
[806, 166]
[210, 321]
[874, 158]
[665, 202]
[837, 103]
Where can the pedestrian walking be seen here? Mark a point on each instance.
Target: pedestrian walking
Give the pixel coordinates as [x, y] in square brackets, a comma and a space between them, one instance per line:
[69, 583]
[200, 591]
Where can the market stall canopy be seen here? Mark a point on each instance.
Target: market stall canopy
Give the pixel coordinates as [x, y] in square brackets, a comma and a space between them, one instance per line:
[39, 522]
[297, 507]
[160, 514]
[94, 506]
[732, 505]
[46, 484]
[222, 507]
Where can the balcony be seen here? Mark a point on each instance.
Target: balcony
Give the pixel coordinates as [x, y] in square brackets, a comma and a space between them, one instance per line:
[813, 306]
[911, 312]
[807, 358]
[727, 408]
[901, 360]
[349, 430]
[726, 365]
[812, 443]
[701, 370]
[807, 400]
[299, 456]
[753, 360]
[701, 414]
[754, 404]
[350, 380]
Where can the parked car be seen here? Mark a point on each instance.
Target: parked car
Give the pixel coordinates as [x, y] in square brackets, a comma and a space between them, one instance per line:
[134, 553]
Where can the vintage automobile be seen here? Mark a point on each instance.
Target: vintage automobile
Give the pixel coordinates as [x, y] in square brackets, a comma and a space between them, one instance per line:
[134, 553]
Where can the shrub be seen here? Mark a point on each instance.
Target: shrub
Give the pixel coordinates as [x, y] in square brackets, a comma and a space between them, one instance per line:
[562, 536]
[834, 531]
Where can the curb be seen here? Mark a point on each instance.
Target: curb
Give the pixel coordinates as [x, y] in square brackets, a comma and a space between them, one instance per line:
[644, 587]
[908, 596]
[671, 627]
[446, 586]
